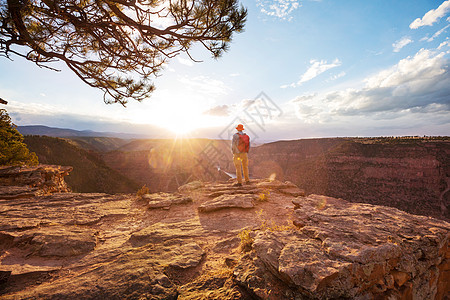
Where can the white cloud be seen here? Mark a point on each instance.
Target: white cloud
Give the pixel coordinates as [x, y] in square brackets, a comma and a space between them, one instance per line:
[438, 33]
[398, 45]
[425, 64]
[443, 44]
[278, 8]
[432, 16]
[204, 85]
[415, 85]
[334, 77]
[219, 110]
[317, 68]
[285, 86]
[185, 61]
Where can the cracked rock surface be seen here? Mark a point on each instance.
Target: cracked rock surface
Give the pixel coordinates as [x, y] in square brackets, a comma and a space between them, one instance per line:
[164, 246]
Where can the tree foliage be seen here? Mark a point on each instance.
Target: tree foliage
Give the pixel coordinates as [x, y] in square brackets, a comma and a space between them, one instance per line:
[116, 45]
[12, 149]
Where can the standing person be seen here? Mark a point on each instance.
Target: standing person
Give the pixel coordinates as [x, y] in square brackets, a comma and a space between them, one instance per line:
[240, 145]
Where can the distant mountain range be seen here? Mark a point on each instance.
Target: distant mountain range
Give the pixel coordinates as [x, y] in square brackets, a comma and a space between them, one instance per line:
[65, 132]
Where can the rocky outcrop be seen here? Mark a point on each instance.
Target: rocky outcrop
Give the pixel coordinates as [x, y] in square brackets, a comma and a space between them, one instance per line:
[409, 174]
[20, 182]
[99, 246]
[355, 251]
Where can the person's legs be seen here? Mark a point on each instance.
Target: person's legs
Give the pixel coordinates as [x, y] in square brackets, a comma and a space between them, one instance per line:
[245, 166]
[237, 164]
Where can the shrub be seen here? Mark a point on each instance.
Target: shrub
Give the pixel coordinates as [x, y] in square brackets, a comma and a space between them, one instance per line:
[246, 240]
[264, 196]
[143, 191]
[12, 149]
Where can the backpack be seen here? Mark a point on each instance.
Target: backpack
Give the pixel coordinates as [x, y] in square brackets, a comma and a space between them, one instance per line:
[244, 143]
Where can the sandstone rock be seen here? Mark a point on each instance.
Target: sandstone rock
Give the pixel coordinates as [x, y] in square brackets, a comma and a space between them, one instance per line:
[287, 187]
[41, 180]
[4, 275]
[227, 244]
[59, 209]
[17, 192]
[293, 191]
[161, 232]
[227, 191]
[346, 250]
[411, 175]
[163, 280]
[191, 186]
[165, 200]
[64, 243]
[186, 256]
[228, 201]
[98, 246]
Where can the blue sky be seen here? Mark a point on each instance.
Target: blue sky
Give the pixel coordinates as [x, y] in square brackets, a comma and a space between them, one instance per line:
[326, 68]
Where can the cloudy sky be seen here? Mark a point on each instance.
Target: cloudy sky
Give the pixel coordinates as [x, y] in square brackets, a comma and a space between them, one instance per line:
[311, 68]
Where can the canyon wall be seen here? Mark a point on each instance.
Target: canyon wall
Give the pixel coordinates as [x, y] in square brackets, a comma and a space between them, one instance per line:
[410, 174]
[164, 165]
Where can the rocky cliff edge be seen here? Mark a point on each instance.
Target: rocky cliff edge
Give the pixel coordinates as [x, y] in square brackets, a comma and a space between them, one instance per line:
[265, 240]
[23, 182]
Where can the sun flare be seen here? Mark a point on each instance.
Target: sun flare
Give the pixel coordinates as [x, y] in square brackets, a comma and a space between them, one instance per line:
[179, 127]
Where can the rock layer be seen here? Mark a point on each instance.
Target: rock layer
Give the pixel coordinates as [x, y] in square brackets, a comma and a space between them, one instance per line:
[409, 174]
[22, 182]
[99, 246]
[345, 250]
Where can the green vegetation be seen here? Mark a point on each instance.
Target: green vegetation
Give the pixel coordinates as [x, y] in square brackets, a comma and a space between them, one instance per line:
[90, 173]
[113, 45]
[98, 144]
[398, 139]
[246, 240]
[12, 149]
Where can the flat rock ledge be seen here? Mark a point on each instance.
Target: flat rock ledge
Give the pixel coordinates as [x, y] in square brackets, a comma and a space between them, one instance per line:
[165, 200]
[228, 201]
[100, 246]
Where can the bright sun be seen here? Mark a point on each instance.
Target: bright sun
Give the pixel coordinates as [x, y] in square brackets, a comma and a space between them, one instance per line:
[179, 126]
[179, 117]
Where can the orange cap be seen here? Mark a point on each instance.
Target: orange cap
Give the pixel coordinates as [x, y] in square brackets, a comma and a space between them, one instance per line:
[240, 127]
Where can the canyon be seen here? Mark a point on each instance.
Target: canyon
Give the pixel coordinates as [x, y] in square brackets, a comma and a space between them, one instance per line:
[412, 174]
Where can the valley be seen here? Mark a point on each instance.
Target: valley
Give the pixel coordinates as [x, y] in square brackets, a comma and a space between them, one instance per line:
[411, 174]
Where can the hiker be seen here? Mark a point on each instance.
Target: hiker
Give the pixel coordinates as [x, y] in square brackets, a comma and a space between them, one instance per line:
[240, 145]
